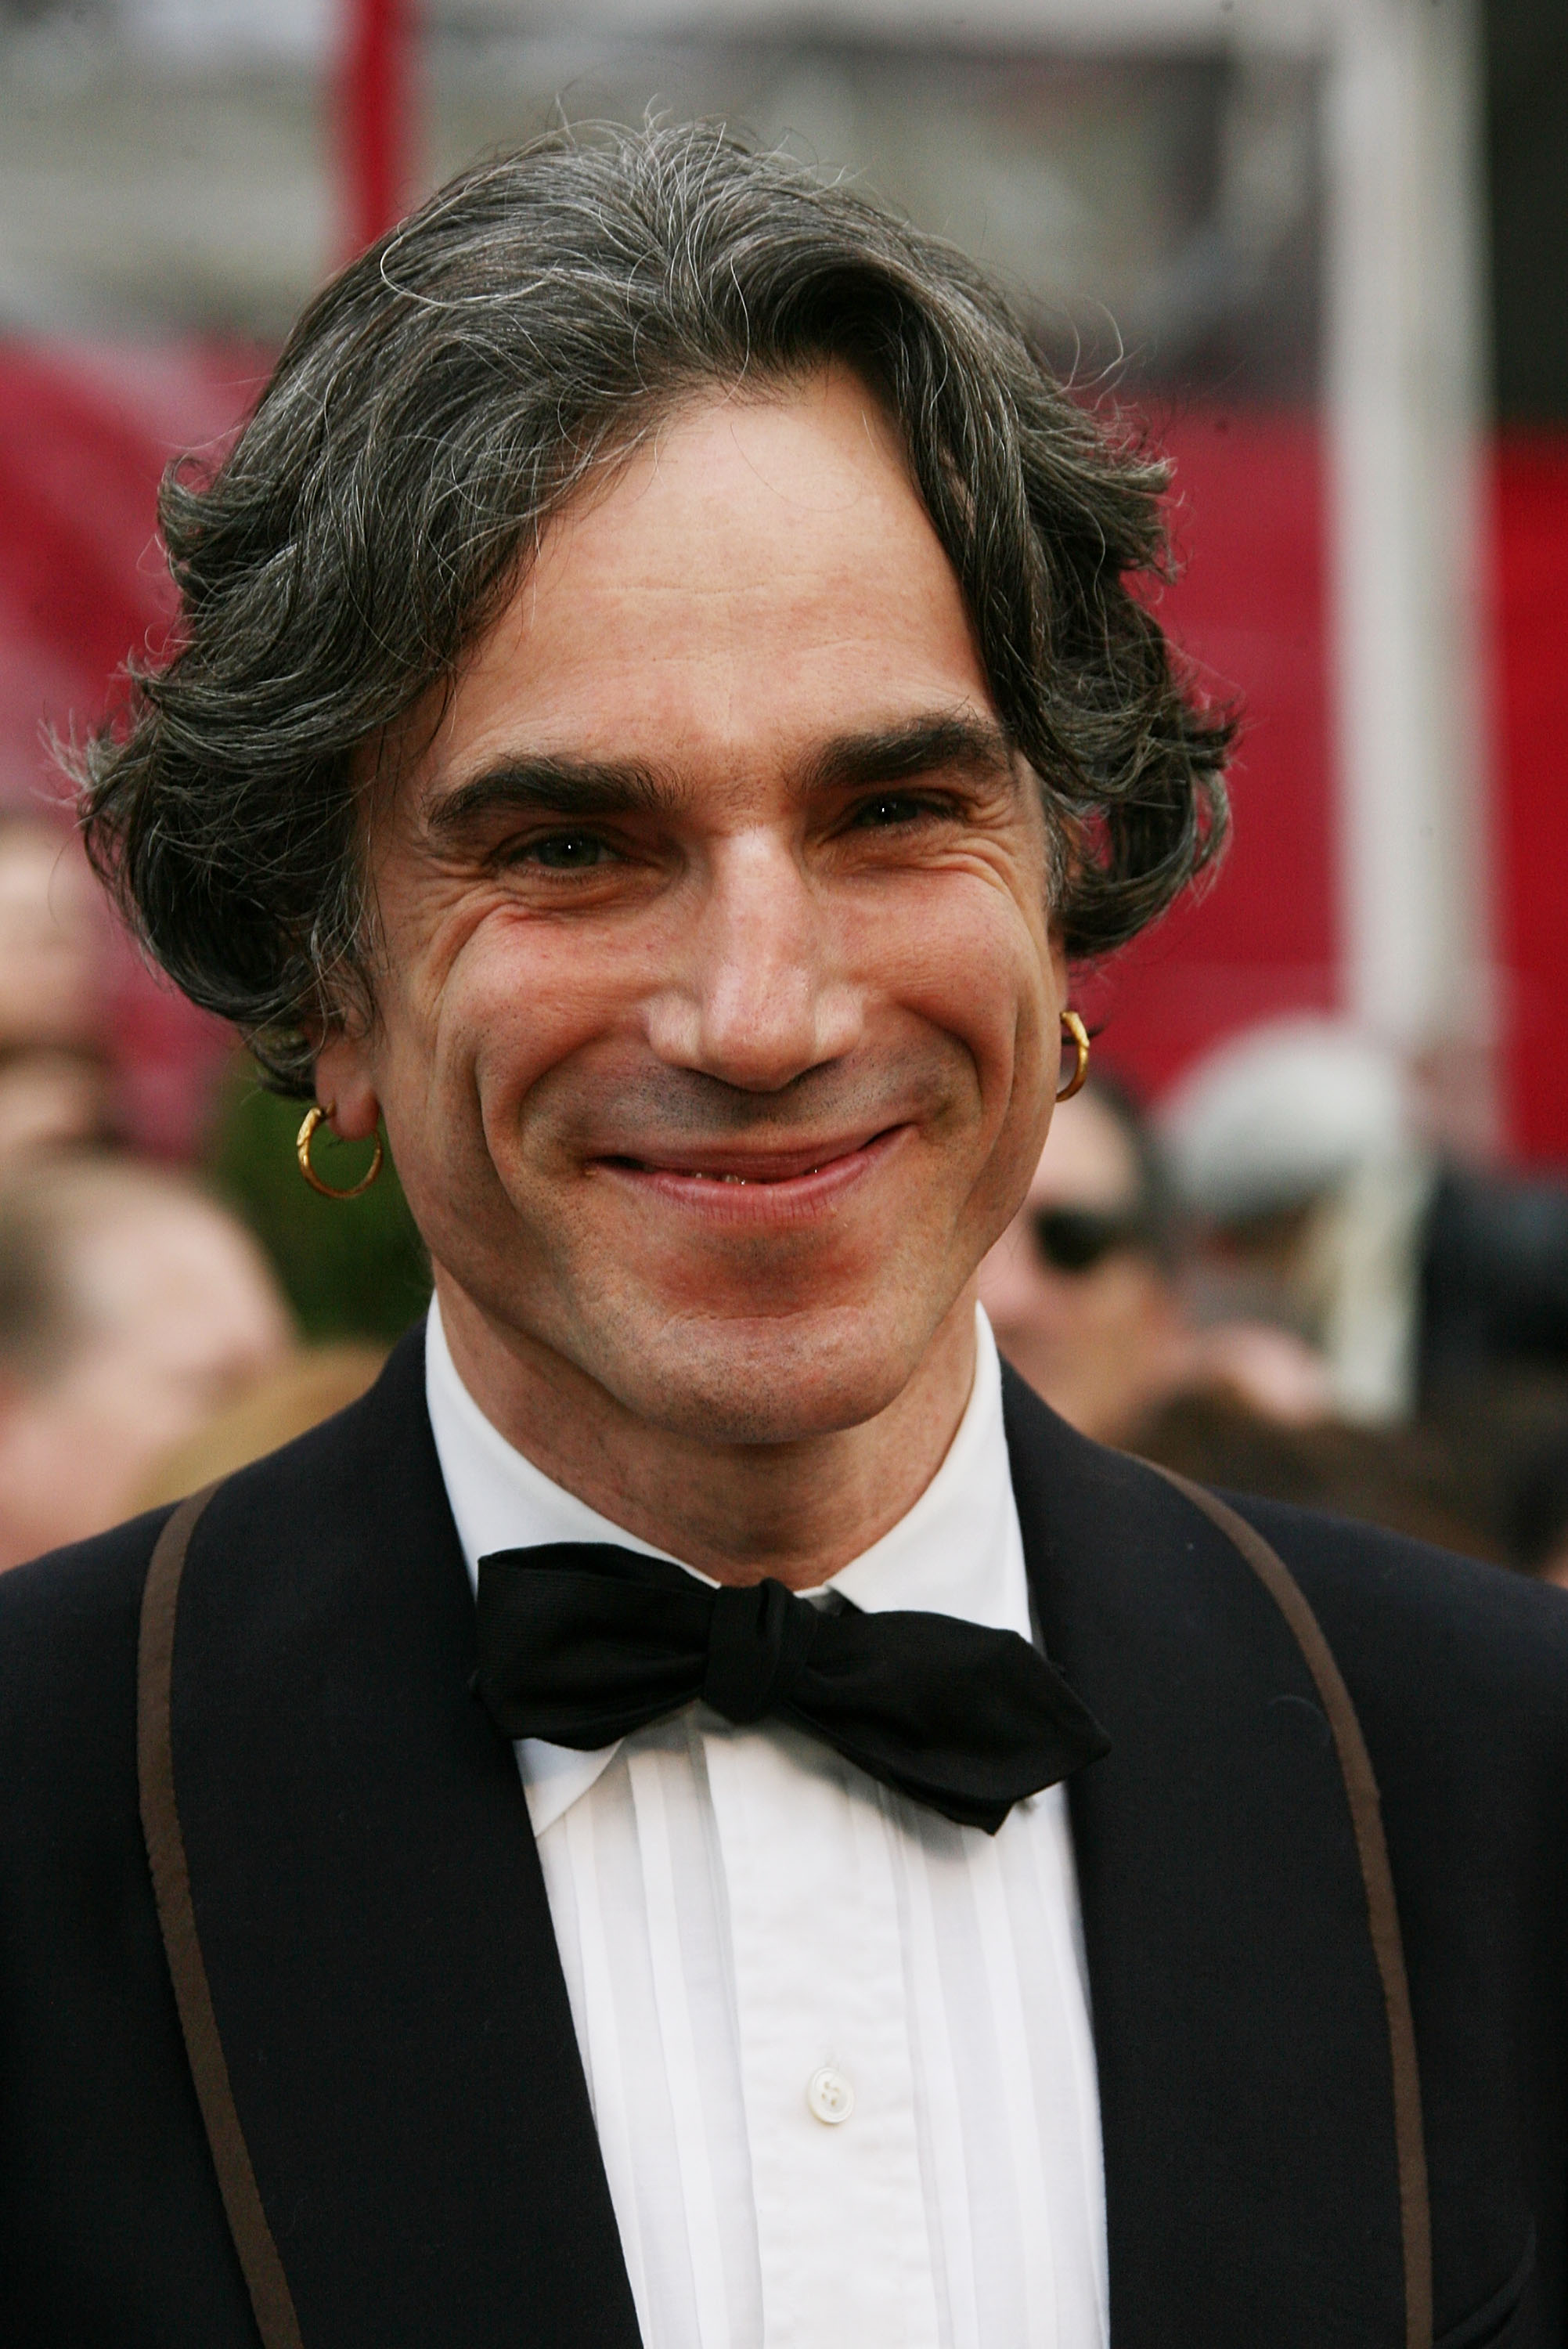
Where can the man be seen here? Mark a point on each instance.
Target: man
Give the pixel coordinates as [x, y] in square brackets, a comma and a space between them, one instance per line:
[660, 701]
[1080, 1289]
[54, 1076]
[1431, 1285]
[132, 1309]
[1085, 1293]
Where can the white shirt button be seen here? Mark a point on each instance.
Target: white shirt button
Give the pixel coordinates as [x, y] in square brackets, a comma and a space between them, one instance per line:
[830, 2096]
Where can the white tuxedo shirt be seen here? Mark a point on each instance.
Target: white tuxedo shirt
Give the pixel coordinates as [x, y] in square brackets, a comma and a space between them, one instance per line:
[837, 2048]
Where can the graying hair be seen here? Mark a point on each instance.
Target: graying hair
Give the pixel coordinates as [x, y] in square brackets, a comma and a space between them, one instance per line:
[438, 403]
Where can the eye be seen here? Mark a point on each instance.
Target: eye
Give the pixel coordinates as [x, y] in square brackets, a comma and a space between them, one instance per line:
[565, 852]
[890, 808]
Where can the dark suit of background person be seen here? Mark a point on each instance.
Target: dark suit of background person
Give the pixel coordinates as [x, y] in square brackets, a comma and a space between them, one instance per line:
[392, 2008]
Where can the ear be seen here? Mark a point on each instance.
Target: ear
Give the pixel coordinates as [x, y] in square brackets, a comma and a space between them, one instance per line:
[345, 1084]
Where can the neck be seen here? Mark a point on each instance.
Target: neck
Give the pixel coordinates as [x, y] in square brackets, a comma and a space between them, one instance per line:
[795, 1510]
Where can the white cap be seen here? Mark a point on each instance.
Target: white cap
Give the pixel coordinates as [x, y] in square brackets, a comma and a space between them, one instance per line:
[1281, 1113]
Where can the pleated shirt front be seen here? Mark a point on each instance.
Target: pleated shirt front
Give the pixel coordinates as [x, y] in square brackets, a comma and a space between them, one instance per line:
[838, 2049]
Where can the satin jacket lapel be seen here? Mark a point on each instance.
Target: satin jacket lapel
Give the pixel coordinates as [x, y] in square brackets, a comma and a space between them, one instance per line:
[1245, 2100]
[370, 1906]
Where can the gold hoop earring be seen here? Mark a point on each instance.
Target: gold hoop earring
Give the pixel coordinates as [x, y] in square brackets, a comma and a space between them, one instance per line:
[1073, 1026]
[315, 1117]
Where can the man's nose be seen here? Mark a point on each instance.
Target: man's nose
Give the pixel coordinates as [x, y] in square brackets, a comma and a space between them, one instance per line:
[759, 995]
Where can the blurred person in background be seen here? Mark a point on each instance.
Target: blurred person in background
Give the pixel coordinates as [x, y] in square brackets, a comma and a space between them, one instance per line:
[54, 1074]
[1290, 1148]
[132, 1308]
[1081, 1287]
[1085, 1291]
[1538, 1511]
[1088, 1292]
[271, 1408]
[1493, 1287]
[1434, 1293]
[1319, 1207]
[1406, 1478]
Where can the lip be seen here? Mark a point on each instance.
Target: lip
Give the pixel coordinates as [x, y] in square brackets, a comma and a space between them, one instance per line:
[746, 1188]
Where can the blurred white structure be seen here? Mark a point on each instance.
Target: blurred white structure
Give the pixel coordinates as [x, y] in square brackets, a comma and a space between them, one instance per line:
[1281, 1113]
[1406, 397]
[1308, 1120]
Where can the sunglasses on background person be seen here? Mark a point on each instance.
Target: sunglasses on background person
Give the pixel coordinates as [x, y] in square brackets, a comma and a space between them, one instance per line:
[1078, 1239]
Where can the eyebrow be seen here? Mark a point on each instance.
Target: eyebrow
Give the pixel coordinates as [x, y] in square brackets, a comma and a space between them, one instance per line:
[561, 785]
[896, 754]
[557, 786]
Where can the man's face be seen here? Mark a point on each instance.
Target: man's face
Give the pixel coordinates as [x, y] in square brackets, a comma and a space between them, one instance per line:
[715, 1010]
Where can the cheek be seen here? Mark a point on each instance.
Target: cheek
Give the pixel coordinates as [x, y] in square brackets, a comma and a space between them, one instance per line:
[494, 1016]
[964, 956]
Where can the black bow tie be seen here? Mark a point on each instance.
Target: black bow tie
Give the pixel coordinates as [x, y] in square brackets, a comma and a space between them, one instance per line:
[581, 1642]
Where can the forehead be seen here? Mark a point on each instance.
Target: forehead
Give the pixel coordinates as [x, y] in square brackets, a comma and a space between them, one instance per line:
[759, 573]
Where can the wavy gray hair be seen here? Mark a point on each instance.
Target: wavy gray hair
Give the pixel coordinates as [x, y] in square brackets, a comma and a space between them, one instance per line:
[442, 398]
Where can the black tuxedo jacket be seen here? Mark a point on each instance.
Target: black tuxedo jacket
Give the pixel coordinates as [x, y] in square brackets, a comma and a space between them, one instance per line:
[392, 2011]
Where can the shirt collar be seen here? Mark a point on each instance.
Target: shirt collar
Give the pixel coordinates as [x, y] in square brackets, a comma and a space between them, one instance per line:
[958, 1551]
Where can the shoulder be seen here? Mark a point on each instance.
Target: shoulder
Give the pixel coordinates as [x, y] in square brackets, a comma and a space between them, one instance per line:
[1441, 1641]
[70, 1623]
[68, 1617]
[69, 1632]
[1432, 1645]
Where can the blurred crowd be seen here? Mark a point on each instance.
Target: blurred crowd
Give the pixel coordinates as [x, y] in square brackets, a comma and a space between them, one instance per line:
[1276, 1284]
[158, 1325]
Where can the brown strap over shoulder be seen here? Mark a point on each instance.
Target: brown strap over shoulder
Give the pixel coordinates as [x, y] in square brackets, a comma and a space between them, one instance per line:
[264, 2270]
[1382, 1909]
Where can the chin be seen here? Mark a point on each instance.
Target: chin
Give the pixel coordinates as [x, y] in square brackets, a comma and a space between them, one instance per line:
[757, 1381]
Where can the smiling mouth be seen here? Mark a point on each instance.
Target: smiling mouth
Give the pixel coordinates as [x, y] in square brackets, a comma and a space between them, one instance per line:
[696, 1175]
[702, 1174]
[759, 1170]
